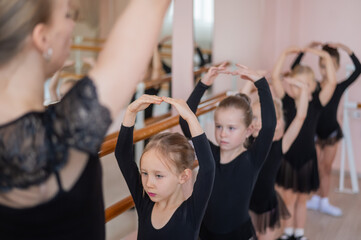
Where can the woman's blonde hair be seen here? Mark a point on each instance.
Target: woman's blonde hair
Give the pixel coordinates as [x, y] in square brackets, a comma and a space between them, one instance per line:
[17, 21]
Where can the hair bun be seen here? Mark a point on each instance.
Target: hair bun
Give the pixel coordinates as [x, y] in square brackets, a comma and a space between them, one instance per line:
[243, 96]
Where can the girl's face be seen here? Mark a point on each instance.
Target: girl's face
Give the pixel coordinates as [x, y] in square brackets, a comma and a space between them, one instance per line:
[160, 178]
[60, 29]
[322, 66]
[257, 121]
[230, 130]
[305, 78]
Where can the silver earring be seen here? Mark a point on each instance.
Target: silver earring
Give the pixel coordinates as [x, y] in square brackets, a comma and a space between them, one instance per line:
[48, 54]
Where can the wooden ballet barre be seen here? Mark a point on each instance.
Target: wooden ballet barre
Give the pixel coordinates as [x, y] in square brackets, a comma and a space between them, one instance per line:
[166, 55]
[155, 82]
[155, 119]
[108, 146]
[148, 83]
[96, 40]
[71, 75]
[205, 51]
[86, 48]
[147, 122]
[206, 68]
[166, 46]
[118, 208]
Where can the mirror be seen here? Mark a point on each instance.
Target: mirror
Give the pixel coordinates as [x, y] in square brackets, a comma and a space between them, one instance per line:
[203, 19]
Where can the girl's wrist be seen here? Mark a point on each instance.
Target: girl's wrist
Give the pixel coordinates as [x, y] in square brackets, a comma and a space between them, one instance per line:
[191, 119]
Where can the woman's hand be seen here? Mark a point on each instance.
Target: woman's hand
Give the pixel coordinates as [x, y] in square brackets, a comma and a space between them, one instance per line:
[213, 72]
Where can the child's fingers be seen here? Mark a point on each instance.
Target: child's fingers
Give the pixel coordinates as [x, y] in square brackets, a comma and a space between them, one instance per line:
[168, 100]
[151, 99]
[175, 102]
[241, 66]
[223, 65]
[224, 72]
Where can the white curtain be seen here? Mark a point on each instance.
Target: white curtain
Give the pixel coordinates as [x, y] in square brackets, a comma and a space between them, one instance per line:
[203, 15]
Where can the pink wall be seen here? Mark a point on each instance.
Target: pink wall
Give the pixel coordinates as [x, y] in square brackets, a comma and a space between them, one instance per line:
[182, 50]
[255, 33]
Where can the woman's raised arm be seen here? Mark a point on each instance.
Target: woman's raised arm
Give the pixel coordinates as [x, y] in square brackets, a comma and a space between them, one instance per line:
[127, 52]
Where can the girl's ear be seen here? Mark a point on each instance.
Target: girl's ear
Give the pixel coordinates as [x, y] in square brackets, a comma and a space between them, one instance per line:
[249, 130]
[185, 176]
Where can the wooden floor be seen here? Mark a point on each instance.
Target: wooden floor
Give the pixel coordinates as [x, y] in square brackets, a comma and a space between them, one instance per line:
[347, 227]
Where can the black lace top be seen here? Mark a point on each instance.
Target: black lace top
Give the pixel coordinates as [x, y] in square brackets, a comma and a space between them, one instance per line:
[35, 145]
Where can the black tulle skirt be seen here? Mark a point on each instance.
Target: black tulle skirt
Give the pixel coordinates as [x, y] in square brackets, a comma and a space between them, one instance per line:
[331, 139]
[269, 216]
[302, 179]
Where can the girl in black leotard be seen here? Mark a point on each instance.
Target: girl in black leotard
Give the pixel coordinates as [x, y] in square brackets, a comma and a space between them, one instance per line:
[267, 206]
[237, 168]
[328, 130]
[156, 188]
[298, 174]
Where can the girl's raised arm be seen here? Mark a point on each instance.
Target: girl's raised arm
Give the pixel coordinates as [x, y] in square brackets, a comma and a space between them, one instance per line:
[127, 52]
[331, 82]
[292, 132]
[195, 97]
[277, 71]
[186, 113]
[139, 105]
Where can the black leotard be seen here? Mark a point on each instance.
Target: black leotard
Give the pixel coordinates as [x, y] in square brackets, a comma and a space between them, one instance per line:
[227, 214]
[299, 167]
[35, 146]
[186, 220]
[267, 205]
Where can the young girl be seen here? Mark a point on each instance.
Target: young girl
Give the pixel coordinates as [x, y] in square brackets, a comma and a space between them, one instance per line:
[237, 168]
[298, 174]
[165, 165]
[328, 129]
[267, 207]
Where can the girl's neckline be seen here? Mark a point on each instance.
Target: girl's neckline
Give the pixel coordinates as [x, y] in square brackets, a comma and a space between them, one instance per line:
[170, 219]
[233, 160]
